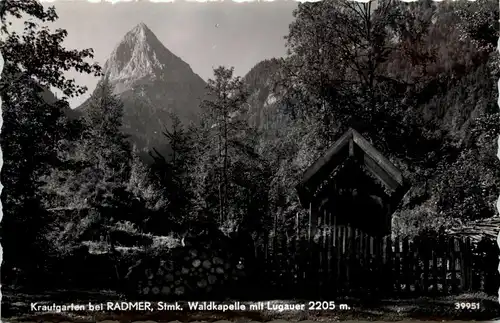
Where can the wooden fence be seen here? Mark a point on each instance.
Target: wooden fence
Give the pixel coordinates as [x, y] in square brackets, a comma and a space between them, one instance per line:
[343, 261]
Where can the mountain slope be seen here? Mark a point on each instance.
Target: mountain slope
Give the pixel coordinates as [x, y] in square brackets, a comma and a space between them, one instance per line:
[263, 101]
[151, 81]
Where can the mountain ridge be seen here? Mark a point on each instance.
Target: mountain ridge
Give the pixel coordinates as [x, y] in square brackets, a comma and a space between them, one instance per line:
[140, 55]
[152, 82]
[263, 99]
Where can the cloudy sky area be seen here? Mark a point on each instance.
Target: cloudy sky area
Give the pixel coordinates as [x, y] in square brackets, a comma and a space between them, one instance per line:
[246, 34]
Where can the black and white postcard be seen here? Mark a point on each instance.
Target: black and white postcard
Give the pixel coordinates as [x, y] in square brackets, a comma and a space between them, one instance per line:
[249, 161]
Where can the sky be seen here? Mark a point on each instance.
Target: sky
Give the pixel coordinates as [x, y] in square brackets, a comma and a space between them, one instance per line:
[246, 33]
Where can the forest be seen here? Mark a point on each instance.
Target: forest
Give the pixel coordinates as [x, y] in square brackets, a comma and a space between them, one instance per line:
[418, 80]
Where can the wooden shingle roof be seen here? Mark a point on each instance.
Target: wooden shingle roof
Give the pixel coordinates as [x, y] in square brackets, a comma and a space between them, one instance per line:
[350, 146]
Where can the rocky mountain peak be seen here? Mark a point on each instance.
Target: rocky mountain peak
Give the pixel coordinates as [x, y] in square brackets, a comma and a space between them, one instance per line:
[140, 56]
[152, 83]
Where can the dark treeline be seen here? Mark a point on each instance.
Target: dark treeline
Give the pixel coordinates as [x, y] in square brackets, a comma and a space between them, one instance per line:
[418, 79]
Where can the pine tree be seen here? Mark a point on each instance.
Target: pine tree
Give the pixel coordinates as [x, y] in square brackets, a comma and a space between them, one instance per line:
[97, 185]
[173, 174]
[106, 146]
[228, 95]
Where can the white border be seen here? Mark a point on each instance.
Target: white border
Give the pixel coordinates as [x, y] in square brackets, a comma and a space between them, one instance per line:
[166, 1]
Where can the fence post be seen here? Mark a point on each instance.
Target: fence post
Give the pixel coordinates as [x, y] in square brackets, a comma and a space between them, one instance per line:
[320, 258]
[453, 264]
[444, 262]
[366, 259]
[338, 255]
[351, 258]
[405, 262]
[425, 252]
[465, 264]
[376, 264]
[416, 256]
[328, 243]
[388, 277]
[397, 265]
[284, 262]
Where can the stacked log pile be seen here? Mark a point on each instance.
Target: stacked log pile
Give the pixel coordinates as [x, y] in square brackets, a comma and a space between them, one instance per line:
[192, 270]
